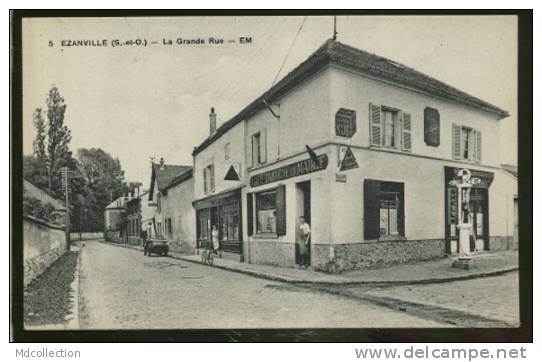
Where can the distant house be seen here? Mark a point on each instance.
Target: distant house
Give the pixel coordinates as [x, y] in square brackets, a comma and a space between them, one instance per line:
[31, 191]
[171, 194]
[113, 220]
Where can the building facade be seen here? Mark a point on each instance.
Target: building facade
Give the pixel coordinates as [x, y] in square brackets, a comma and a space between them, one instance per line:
[384, 142]
[169, 213]
[114, 215]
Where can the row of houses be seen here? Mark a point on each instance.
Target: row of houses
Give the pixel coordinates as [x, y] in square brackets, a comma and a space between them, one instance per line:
[364, 148]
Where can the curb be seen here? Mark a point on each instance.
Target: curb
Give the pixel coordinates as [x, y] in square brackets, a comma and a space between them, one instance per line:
[72, 318]
[280, 278]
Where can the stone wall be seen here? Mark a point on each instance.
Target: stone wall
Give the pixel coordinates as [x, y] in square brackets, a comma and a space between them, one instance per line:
[113, 236]
[43, 245]
[363, 255]
[271, 253]
[497, 243]
[86, 236]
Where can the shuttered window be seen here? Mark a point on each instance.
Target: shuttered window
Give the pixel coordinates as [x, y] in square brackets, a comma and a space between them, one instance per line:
[466, 143]
[389, 127]
[407, 139]
[281, 210]
[384, 212]
[456, 141]
[479, 146]
[374, 123]
[250, 214]
[212, 177]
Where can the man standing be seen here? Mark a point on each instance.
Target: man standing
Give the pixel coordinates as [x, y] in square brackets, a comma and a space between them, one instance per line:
[304, 240]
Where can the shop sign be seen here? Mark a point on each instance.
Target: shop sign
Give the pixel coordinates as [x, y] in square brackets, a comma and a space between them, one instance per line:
[293, 170]
[452, 206]
[349, 161]
[340, 177]
[345, 122]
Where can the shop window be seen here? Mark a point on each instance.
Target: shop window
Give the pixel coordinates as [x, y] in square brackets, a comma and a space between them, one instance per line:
[266, 211]
[204, 232]
[229, 222]
[383, 210]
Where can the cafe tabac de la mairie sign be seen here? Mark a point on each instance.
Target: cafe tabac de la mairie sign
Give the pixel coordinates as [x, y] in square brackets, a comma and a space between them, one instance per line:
[295, 169]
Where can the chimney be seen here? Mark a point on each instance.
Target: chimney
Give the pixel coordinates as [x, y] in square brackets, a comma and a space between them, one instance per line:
[162, 165]
[212, 121]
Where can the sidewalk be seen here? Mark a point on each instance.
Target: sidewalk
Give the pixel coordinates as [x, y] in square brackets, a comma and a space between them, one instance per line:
[437, 271]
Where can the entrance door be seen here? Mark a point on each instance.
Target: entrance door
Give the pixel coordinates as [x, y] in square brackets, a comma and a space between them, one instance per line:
[303, 198]
[479, 210]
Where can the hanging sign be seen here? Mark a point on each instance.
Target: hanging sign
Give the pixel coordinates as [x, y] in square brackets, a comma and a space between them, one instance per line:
[348, 161]
[345, 122]
[295, 169]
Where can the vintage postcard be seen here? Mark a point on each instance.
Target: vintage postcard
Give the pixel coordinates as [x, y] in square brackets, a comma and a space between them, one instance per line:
[270, 172]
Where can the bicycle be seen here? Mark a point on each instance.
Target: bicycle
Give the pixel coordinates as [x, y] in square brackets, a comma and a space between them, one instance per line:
[207, 256]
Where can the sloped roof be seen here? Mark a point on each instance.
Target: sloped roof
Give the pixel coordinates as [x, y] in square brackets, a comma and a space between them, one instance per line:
[163, 175]
[183, 176]
[334, 52]
[511, 169]
[119, 203]
[37, 193]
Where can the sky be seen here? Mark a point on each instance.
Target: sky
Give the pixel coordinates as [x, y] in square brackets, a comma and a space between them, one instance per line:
[139, 102]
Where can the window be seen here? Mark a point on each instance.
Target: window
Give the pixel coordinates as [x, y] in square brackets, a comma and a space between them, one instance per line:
[266, 211]
[229, 221]
[431, 124]
[466, 143]
[259, 148]
[159, 231]
[204, 224]
[389, 127]
[383, 210]
[227, 150]
[209, 179]
[389, 123]
[256, 139]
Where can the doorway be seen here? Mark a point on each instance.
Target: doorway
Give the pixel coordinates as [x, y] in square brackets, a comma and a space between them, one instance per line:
[303, 208]
[479, 208]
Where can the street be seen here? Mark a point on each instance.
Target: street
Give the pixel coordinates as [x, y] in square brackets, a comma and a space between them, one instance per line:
[120, 288]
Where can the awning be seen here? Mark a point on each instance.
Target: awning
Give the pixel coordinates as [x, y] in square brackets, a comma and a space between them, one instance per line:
[218, 199]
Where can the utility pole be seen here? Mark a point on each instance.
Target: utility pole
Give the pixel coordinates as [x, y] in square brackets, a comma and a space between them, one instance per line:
[335, 28]
[65, 186]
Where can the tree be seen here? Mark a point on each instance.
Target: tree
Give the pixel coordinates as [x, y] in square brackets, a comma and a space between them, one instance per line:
[58, 135]
[39, 142]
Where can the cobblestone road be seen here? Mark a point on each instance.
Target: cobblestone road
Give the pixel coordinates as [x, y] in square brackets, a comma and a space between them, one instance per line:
[122, 289]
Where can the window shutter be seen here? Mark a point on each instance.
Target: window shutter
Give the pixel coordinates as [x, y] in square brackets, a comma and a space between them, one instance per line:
[407, 138]
[456, 141]
[371, 207]
[250, 162]
[212, 177]
[478, 146]
[472, 145]
[401, 211]
[263, 146]
[205, 180]
[250, 214]
[281, 210]
[375, 124]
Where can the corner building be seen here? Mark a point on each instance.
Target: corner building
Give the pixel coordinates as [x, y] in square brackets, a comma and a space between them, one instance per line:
[386, 142]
